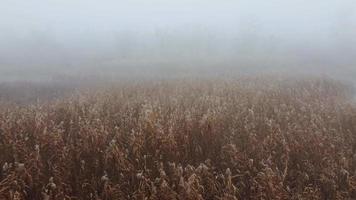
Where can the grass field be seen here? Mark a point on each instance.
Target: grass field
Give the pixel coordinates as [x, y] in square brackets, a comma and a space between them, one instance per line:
[250, 138]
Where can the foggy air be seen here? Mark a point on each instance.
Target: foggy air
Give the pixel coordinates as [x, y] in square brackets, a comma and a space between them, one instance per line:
[177, 99]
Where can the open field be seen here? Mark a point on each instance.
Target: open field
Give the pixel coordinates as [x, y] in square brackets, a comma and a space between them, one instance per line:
[177, 100]
[251, 138]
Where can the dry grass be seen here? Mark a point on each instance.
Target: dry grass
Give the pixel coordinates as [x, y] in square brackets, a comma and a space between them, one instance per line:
[241, 139]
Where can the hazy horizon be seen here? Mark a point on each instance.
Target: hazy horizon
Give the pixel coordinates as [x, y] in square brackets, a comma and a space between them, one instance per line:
[44, 39]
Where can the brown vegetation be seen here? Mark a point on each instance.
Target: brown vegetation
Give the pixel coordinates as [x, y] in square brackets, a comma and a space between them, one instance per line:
[219, 140]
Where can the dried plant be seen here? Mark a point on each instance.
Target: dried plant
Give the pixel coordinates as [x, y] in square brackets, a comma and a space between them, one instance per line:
[194, 140]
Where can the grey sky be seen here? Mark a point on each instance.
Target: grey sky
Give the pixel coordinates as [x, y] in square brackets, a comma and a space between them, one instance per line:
[59, 33]
[81, 17]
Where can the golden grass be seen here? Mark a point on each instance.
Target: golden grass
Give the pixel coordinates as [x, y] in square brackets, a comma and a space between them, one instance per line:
[221, 139]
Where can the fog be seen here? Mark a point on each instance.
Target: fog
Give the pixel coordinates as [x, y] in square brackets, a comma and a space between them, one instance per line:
[54, 39]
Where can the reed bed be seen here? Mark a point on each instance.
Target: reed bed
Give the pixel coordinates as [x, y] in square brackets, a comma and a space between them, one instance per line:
[184, 140]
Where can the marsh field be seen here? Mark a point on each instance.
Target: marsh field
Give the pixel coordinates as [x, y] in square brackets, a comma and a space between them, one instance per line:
[177, 100]
[220, 139]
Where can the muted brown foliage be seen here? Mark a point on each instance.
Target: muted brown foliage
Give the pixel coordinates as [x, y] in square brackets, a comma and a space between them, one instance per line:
[220, 140]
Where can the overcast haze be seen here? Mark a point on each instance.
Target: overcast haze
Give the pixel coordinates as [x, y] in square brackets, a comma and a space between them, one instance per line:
[48, 39]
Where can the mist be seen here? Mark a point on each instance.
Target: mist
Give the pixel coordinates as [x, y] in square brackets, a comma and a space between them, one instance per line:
[177, 99]
[51, 40]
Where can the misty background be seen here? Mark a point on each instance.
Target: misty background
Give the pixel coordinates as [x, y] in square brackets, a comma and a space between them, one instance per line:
[60, 39]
